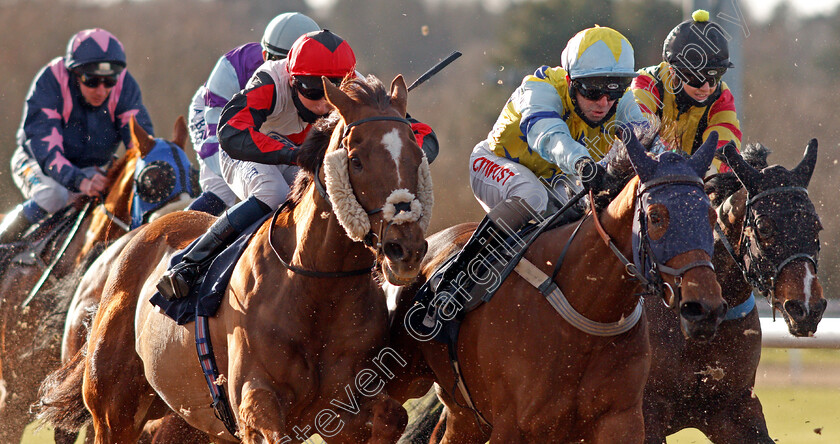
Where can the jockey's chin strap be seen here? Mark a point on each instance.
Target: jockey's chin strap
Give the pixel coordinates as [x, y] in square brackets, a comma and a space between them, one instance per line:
[761, 273]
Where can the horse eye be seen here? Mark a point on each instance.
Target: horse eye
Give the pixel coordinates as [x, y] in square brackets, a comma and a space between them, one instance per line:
[356, 163]
[765, 228]
[657, 218]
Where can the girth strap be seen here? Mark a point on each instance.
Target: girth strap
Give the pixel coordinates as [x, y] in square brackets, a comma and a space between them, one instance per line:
[221, 405]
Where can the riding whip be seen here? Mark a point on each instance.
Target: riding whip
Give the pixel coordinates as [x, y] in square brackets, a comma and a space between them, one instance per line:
[434, 70]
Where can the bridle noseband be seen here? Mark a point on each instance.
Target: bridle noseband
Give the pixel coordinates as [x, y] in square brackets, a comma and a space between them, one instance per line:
[371, 239]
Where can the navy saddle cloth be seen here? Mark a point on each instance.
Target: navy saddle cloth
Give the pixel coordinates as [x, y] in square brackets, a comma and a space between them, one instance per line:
[205, 296]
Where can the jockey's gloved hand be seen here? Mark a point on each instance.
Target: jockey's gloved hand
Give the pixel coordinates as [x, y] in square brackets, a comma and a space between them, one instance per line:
[590, 173]
[93, 186]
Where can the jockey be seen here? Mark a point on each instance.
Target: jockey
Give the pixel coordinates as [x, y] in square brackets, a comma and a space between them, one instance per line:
[229, 76]
[551, 132]
[685, 93]
[260, 130]
[75, 116]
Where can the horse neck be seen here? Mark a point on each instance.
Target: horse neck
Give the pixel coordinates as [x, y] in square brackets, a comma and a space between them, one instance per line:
[321, 242]
[601, 289]
[731, 214]
[117, 202]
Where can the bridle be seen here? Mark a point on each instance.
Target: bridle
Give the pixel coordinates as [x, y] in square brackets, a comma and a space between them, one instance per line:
[758, 269]
[371, 239]
[646, 257]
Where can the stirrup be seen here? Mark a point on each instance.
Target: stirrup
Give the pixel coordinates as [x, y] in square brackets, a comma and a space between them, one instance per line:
[177, 281]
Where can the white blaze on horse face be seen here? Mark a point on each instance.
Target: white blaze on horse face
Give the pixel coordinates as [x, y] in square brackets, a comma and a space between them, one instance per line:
[393, 144]
[809, 279]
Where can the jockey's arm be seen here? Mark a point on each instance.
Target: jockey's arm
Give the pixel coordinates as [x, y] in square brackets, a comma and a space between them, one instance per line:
[240, 122]
[43, 131]
[131, 104]
[545, 130]
[426, 138]
[723, 119]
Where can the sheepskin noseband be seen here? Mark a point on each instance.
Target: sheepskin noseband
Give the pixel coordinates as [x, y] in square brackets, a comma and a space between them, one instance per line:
[354, 218]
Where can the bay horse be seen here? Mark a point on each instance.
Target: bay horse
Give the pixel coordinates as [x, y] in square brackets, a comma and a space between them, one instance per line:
[764, 214]
[533, 375]
[303, 321]
[29, 345]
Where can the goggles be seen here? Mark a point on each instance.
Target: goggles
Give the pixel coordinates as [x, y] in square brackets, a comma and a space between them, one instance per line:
[594, 88]
[314, 91]
[698, 78]
[93, 81]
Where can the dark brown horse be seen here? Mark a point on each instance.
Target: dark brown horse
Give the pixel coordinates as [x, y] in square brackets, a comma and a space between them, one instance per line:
[536, 375]
[302, 327]
[709, 386]
[28, 336]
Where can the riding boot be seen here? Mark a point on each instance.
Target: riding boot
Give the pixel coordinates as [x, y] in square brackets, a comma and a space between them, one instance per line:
[499, 226]
[177, 281]
[14, 225]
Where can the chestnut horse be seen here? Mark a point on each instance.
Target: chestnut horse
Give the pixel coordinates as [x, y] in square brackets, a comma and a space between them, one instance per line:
[303, 322]
[709, 386]
[28, 335]
[535, 375]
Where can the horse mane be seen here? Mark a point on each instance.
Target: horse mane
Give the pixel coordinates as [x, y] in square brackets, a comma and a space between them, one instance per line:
[118, 166]
[619, 171]
[723, 185]
[368, 91]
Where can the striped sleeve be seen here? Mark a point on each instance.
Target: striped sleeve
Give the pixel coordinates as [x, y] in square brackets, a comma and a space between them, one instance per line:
[646, 93]
[724, 120]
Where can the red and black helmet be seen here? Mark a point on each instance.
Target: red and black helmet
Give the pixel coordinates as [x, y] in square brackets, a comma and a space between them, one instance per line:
[320, 53]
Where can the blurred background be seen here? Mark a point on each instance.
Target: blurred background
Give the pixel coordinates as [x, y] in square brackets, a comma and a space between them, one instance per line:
[784, 78]
[784, 82]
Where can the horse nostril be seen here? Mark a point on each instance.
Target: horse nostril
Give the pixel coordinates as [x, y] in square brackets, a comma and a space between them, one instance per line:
[696, 311]
[795, 309]
[394, 251]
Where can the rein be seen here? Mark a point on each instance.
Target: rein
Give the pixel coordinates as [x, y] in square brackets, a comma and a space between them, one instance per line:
[311, 273]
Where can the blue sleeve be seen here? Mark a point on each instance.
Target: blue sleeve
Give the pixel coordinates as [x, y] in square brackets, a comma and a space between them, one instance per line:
[543, 125]
[42, 131]
[131, 104]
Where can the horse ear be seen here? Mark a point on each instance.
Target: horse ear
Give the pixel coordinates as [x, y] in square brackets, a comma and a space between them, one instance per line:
[644, 165]
[748, 175]
[702, 157]
[806, 166]
[140, 139]
[399, 94]
[179, 133]
[337, 98]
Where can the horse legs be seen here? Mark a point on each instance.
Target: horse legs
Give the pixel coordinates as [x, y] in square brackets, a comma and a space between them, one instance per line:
[625, 426]
[173, 429]
[461, 425]
[262, 413]
[741, 420]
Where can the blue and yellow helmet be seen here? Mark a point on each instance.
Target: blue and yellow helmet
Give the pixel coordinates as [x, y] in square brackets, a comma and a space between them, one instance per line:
[598, 52]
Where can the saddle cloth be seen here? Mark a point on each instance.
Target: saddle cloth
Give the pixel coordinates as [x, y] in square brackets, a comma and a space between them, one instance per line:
[205, 296]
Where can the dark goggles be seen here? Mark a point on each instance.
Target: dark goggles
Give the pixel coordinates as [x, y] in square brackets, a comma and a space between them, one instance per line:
[698, 78]
[314, 93]
[596, 87]
[93, 81]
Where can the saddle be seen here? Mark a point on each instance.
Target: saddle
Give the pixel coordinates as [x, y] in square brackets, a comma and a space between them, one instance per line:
[206, 294]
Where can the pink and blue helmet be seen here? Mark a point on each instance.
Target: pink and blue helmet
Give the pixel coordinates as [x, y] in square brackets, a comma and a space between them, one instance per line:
[95, 50]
